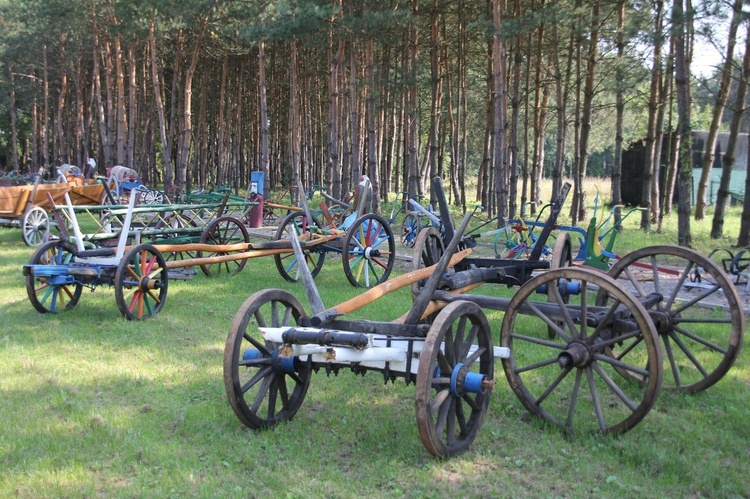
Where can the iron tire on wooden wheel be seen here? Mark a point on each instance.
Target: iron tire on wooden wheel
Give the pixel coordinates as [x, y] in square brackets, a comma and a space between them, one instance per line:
[454, 379]
[223, 230]
[256, 378]
[141, 283]
[34, 226]
[48, 298]
[701, 331]
[286, 263]
[571, 380]
[369, 251]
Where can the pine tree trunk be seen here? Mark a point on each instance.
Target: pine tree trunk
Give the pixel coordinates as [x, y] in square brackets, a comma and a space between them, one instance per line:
[649, 164]
[500, 94]
[133, 112]
[616, 185]
[61, 151]
[294, 117]
[13, 130]
[539, 87]
[166, 144]
[717, 225]
[682, 84]
[588, 99]
[718, 111]
[186, 134]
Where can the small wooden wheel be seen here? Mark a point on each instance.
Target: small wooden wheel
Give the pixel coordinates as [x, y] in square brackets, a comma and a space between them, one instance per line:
[264, 388]
[35, 226]
[700, 325]
[141, 282]
[410, 229]
[286, 263]
[572, 380]
[369, 251]
[455, 379]
[223, 230]
[47, 297]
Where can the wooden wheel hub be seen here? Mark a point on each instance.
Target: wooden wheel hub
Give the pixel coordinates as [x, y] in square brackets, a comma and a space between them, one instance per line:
[578, 354]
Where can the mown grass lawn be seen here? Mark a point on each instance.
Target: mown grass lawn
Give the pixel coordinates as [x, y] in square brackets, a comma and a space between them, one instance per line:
[94, 405]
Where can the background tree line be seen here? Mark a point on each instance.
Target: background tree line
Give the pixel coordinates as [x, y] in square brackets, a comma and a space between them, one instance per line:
[195, 93]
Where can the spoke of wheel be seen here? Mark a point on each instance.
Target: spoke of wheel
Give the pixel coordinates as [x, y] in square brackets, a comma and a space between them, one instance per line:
[461, 338]
[679, 285]
[379, 262]
[536, 365]
[257, 344]
[606, 320]
[621, 354]
[618, 339]
[539, 341]
[469, 361]
[147, 302]
[275, 321]
[700, 340]
[564, 309]
[440, 398]
[287, 317]
[259, 318]
[471, 402]
[133, 274]
[613, 386]
[450, 430]
[688, 354]
[695, 300]
[584, 311]
[262, 392]
[564, 372]
[672, 362]
[445, 368]
[66, 290]
[560, 332]
[574, 399]
[595, 398]
[272, 392]
[655, 275]
[621, 365]
[461, 418]
[284, 392]
[634, 281]
[442, 416]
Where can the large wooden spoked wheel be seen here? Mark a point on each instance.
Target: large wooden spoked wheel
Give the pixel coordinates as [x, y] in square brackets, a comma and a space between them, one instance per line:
[700, 325]
[141, 282]
[369, 251]
[571, 380]
[264, 388]
[428, 249]
[455, 379]
[410, 229]
[34, 226]
[223, 230]
[51, 298]
[286, 263]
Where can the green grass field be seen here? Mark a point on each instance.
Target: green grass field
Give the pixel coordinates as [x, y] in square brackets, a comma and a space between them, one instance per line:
[94, 405]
